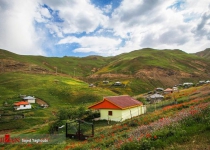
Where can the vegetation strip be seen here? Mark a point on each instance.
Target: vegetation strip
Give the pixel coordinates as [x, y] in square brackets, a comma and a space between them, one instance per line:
[119, 135]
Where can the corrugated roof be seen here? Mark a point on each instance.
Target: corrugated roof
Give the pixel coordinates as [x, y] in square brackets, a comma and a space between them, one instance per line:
[21, 103]
[124, 101]
[156, 96]
[168, 90]
[29, 97]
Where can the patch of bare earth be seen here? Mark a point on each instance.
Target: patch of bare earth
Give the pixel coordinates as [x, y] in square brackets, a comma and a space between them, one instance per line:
[41, 102]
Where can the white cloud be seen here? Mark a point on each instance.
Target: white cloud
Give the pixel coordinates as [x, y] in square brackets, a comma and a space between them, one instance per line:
[153, 24]
[55, 30]
[78, 16]
[32, 27]
[107, 8]
[17, 32]
[100, 45]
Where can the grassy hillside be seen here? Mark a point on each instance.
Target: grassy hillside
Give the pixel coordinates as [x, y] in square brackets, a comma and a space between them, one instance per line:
[62, 92]
[140, 70]
[204, 54]
[52, 89]
[73, 66]
[57, 91]
[167, 59]
[148, 68]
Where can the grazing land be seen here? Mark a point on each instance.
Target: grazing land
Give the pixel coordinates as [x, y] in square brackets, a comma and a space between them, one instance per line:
[69, 85]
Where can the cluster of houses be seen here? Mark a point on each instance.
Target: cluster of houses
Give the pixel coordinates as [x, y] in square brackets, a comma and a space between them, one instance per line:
[25, 103]
[158, 94]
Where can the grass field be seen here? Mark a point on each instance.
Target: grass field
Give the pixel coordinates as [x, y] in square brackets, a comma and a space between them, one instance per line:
[57, 91]
[167, 125]
[69, 90]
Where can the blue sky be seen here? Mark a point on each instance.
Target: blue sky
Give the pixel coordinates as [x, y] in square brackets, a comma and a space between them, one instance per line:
[102, 27]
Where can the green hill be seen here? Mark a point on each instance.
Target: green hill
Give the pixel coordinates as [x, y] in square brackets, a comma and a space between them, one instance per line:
[175, 60]
[63, 83]
[148, 68]
[73, 66]
[55, 90]
[139, 70]
[204, 54]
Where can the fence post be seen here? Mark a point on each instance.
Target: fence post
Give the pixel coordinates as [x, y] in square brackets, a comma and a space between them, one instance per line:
[66, 129]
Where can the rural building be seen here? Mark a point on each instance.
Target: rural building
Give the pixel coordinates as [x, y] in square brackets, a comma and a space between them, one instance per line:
[187, 84]
[159, 89]
[175, 88]
[155, 98]
[119, 108]
[105, 82]
[22, 105]
[168, 90]
[117, 83]
[30, 99]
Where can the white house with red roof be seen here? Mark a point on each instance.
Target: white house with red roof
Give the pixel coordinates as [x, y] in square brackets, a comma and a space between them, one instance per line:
[119, 108]
[22, 105]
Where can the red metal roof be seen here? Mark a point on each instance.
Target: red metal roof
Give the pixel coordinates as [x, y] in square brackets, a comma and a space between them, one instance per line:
[117, 102]
[168, 90]
[21, 103]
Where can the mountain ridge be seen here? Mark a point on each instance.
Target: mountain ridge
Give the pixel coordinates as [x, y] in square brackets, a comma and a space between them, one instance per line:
[148, 67]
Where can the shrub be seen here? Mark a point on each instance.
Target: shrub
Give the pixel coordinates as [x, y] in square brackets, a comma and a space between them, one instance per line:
[131, 146]
[145, 144]
[133, 124]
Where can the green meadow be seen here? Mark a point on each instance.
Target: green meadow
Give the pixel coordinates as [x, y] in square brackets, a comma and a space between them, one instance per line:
[63, 83]
[57, 91]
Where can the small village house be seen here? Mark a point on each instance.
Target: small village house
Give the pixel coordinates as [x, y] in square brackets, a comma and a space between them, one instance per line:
[30, 99]
[117, 83]
[168, 91]
[159, 89]
[119, 108]
[175, 88]
[187, 84]
[22, 105]
[155, 98]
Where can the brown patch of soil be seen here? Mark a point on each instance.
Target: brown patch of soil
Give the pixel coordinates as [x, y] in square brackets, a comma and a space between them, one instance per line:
[41, 102]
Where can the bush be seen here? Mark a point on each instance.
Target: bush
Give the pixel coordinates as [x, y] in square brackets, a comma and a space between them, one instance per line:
[131, 146]
[145, 144]
[133, 124]
[159, 144]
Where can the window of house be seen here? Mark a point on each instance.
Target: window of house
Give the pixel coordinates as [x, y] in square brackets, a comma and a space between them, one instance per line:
[24, 105]
[110, 113]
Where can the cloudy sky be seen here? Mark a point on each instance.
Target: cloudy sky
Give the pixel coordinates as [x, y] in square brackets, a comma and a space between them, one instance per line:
[103, 27]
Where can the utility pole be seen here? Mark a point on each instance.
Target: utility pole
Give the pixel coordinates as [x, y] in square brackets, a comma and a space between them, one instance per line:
[56, 70]
[2, 65]
[74, 72]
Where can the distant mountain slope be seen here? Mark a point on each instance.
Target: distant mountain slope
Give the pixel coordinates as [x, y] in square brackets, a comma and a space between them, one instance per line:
[147, 61]
[204, 54]
[73, 66]
[139, 59]
[145, 69]
[140, 70]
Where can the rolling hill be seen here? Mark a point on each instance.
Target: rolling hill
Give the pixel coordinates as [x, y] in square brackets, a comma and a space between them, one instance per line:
[204, 54]
[63, 83]
[140, 70]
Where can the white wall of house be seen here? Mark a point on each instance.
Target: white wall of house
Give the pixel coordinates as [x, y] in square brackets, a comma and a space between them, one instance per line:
[132, 112]
[31, 100]
[23, 107]
[121, 115]
[116, 114]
